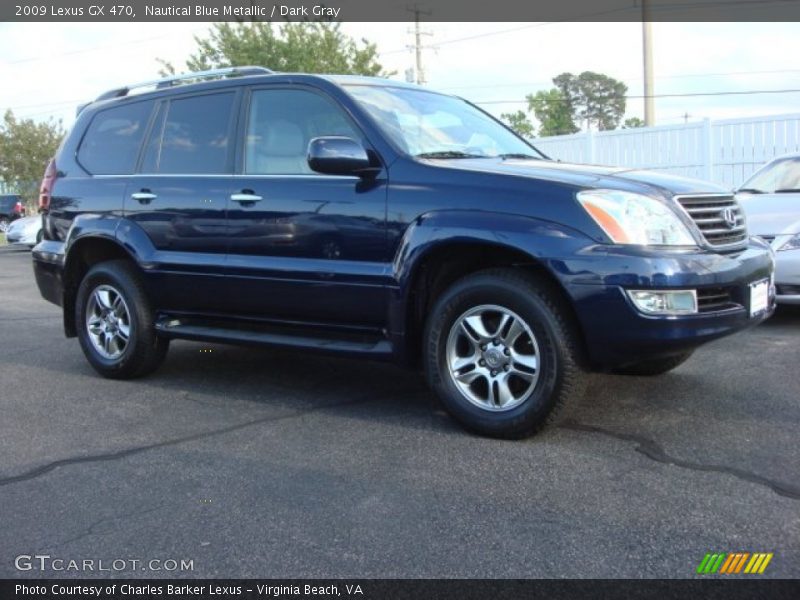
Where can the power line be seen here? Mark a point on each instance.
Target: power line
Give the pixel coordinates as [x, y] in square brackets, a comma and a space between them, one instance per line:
[64, 103]
[624, 78]
[513, 29]
[586, 17]
[93, 48]
[686, 95]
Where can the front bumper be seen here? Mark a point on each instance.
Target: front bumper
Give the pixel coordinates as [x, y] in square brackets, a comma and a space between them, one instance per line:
[20, 239]
[618, 334]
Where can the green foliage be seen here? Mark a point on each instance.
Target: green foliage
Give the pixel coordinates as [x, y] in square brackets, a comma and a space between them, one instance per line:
[553, 112]
[594, 98]
[25, 149]
[633, 123]
[519, 122]
[308, 47]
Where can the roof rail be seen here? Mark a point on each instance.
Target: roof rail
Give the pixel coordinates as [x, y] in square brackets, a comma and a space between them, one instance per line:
[173, 79]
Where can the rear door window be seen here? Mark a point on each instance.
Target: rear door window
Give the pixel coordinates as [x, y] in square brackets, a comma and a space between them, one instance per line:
[112, 141]
[192, 136]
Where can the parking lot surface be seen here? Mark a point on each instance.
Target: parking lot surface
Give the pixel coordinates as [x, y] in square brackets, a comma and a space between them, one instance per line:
[261, 463]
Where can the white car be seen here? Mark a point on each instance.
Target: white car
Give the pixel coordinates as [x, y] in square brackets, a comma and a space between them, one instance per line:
[771, 202]
[26, 231]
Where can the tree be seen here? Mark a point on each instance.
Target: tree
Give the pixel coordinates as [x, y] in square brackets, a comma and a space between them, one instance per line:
[593, 98]
[553, 111]
[25, 148]
[519, 122]
[633, 123]
[309, 47]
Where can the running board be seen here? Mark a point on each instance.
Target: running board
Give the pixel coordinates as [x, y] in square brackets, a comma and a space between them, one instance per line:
[177, 328]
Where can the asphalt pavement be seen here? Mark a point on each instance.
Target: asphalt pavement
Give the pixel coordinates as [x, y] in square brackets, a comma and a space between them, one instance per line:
[260, 463]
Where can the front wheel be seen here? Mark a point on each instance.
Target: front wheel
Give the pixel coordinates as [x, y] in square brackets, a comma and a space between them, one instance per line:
[501, 354]
[115, 322]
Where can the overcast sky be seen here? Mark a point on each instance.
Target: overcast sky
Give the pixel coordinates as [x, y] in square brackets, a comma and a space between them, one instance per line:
[47, 69]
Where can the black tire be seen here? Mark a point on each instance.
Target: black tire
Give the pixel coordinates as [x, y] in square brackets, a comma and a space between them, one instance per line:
[144, 351]
[655, 366]
[560, 380]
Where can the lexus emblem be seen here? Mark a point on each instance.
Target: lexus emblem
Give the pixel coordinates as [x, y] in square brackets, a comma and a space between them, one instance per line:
[730, 218]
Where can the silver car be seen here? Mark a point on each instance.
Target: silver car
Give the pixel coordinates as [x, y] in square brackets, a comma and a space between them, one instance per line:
[26, 231]
[771, 202]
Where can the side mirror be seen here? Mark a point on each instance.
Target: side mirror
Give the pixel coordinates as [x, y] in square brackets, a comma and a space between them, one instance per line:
[336, 155]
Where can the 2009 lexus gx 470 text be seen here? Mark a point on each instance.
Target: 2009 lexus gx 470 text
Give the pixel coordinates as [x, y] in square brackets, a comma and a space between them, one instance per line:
[383, 221]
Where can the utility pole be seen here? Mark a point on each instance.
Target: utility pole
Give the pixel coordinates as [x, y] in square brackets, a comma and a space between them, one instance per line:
[417, 47]
[647, 48]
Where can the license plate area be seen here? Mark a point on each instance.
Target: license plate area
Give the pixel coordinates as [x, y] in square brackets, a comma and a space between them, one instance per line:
[759, 297]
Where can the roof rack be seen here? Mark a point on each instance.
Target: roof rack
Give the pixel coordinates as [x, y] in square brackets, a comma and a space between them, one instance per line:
[173, 79]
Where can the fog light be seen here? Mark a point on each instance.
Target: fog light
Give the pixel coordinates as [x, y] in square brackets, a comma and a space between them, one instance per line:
[665, 302]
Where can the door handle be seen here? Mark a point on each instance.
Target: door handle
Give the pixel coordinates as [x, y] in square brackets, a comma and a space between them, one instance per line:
[144, 197]
[246, 197]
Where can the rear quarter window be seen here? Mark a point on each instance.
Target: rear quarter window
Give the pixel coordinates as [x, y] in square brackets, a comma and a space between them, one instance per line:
[112, 141]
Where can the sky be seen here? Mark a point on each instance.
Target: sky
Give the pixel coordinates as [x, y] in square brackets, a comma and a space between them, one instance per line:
[47, 69]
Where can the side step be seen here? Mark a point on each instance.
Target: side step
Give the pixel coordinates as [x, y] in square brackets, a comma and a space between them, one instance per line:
[258, 335]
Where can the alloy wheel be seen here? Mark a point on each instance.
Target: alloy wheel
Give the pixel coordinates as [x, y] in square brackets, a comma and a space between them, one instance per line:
[493, 357]
[108, 322]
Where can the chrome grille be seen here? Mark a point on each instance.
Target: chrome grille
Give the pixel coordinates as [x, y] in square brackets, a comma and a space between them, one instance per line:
[709, 211]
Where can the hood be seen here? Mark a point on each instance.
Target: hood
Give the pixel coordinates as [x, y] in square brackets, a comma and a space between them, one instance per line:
[589, 176]
[771, 214]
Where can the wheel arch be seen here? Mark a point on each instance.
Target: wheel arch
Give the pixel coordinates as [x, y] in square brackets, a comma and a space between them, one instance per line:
[433, 266]
[83, 253]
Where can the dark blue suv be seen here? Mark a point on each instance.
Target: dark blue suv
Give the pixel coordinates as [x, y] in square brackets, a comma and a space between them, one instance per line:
[381, 220]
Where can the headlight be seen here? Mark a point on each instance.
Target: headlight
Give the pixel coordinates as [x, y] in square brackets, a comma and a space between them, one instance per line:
[793, 243]
[629, 218]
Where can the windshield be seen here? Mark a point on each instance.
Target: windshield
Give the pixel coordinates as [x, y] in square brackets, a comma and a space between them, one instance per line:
[430, 125]
[780, 176]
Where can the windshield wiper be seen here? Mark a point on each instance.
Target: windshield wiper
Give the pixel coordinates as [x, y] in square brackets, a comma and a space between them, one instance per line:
[449, 154]
[787, 191]
[518, 155]
[751, 191]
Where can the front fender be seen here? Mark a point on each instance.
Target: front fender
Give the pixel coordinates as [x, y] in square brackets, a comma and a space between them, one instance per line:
[559, 249]
[541, 241]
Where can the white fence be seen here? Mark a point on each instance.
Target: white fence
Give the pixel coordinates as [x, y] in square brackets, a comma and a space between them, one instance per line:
[726, 152]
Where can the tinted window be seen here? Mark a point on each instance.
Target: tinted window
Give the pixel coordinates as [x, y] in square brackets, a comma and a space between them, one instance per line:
[111, 143]
[280, 125]
[193, 138]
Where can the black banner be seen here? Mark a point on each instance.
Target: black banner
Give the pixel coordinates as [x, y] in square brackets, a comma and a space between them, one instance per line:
[400, 10]
[400, 589]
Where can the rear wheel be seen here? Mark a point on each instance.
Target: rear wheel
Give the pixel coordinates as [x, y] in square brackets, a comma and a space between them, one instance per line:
[115, 322]
[655, 366]
[4, 223]
[501, 355]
